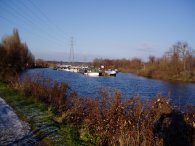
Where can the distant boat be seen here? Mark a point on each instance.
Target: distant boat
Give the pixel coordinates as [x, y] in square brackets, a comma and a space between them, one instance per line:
[92, 74]
[72, 69]
[110, 72]
[68, 68]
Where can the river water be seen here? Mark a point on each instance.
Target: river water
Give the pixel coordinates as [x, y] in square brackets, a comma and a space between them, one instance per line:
[129, 85]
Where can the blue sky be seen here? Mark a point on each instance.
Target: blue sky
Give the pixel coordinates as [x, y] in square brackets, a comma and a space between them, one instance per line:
[101, 28]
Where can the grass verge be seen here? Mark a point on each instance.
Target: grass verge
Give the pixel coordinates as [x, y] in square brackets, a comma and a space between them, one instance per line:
[40, 117]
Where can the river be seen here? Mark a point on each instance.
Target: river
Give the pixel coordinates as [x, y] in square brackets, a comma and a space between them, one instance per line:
[129, 85]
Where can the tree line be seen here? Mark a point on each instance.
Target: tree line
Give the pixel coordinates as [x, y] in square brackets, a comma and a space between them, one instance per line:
[176, 64]
[15, 56]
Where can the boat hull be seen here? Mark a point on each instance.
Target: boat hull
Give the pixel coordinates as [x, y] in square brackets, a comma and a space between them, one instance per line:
[92, 74]
[110, 73]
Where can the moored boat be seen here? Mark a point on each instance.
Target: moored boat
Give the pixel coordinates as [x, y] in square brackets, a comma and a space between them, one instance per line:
[92, 74]
[110, 72]
[68, 68]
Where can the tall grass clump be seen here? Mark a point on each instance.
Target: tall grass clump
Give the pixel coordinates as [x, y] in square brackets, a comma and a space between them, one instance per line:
[54, 93]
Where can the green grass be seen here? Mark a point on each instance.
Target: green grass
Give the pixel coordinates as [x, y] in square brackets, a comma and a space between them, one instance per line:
[40, 117]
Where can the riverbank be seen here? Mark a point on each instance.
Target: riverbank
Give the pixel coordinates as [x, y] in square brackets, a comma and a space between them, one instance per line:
[58, 116]
[170, 67]
[44, 130]
[158, 76]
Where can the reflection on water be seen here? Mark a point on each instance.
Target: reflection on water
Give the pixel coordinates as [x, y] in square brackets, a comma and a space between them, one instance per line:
[129, 84]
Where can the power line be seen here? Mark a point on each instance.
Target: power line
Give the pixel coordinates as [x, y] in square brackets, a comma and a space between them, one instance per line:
[30, 22]
[27, 30]
[48, 19]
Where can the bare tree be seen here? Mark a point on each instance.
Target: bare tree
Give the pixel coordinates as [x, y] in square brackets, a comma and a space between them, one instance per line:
[183, 51]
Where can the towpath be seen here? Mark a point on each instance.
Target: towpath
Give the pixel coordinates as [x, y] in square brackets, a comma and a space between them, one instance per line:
[11, 127]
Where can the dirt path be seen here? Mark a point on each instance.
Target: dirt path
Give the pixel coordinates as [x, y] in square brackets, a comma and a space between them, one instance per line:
[11, 127]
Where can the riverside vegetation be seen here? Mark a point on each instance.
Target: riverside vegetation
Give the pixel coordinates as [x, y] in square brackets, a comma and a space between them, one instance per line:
[178, 64]
[107, 119]
[103, 120]
[14, 57]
